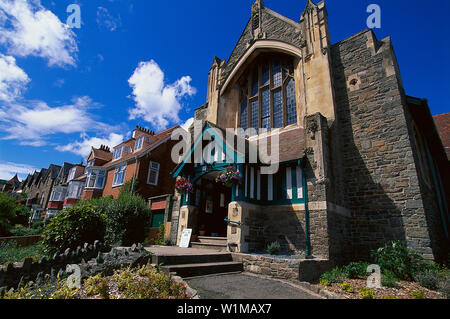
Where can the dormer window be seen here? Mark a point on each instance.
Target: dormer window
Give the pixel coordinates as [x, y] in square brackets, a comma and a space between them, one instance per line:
[71, 174]
[118, 153]
[139, 143]
[90, 164]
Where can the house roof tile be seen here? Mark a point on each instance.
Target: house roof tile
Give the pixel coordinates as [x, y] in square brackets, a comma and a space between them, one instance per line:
[443, 126]
[154, 141]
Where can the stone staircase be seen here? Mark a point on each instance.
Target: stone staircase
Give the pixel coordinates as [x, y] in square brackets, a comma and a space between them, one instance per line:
[212, 243]
[196, 262]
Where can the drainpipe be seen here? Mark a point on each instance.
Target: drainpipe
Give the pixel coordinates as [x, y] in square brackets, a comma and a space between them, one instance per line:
[134, 176]
[305, 196]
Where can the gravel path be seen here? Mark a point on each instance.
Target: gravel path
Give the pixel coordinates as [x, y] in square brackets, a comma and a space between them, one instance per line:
[246, 286]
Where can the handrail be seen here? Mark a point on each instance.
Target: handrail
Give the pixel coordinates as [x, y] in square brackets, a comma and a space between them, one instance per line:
[233, 222]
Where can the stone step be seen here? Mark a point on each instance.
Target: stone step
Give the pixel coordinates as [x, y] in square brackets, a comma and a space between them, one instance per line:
[217, 246]
[192, 259]
[194, 270]
[212, 240]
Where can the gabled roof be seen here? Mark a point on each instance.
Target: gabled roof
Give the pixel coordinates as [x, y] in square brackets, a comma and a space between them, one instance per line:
[155, 141]
[14, 181]
[291, 146]
[286, 30]
[52, 171]
[442, 122]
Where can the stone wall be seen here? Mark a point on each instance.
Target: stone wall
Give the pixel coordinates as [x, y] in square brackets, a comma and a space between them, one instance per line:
[92, 260]
[292, 269]
[379, 170]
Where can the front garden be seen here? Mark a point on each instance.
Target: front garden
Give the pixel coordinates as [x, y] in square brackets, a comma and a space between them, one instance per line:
[404, 275]
[112, 222]
[145, 282]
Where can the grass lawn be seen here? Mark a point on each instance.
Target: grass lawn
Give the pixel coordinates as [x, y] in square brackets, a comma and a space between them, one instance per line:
[9, 252]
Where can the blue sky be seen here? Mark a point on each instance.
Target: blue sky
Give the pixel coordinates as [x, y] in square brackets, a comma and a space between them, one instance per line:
[146, 63]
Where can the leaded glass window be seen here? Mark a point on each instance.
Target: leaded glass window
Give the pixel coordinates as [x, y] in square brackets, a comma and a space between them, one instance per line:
[254, 109]
[265, 111]
[291, 106]
[268, 97]
[277, 109]
[244, 113]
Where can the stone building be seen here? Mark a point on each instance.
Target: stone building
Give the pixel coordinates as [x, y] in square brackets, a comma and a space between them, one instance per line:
[361, 163]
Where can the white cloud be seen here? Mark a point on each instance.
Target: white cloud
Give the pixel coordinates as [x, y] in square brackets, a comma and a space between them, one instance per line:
[12, 79]
[156, 102]
[106, 21]
[33, 125]
[8, 170]
[27, 28]
[83, 148]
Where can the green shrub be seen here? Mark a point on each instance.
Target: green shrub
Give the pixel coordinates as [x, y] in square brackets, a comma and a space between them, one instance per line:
[367, 293]
[333, 276]
[428, 279]
[396, 257]
[388, 279]
[129, 187]
[101, 204]
[445, 288]
[345, 286]
[96, 285]
[11, 214]
[74, 227]
[355, 270]
[126, 220]
[273, 248]
[418, 294]
[325, 282]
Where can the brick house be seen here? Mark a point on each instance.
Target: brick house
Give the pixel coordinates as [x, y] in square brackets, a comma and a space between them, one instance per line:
[39, 189]
[361, 163]
[143, 157]
[63, 194]
[11, 185]
[95, 174]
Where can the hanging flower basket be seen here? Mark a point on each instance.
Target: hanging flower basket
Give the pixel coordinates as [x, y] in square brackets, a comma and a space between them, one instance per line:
[184, 186]
[229, 177]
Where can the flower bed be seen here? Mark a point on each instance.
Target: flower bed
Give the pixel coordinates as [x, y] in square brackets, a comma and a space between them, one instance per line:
[146, 282]
[404, 290]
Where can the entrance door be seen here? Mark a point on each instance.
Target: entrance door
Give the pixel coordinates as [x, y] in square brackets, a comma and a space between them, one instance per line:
[213, 208]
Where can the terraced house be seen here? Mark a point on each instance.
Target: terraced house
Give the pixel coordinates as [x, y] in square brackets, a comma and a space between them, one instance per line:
[361, 163]
[143, 160]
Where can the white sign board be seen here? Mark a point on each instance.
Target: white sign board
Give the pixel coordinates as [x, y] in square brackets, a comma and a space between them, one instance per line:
[185, 238]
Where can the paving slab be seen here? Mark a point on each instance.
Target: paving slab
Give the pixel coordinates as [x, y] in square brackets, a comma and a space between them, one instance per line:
[177, 251]
[247, 286]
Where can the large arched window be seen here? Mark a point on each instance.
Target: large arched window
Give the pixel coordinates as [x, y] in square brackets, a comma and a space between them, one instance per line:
[267, 97]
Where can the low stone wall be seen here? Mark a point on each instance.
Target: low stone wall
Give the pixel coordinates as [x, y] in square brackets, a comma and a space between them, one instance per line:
[22, 241]
[291, 269]
[92, 259]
